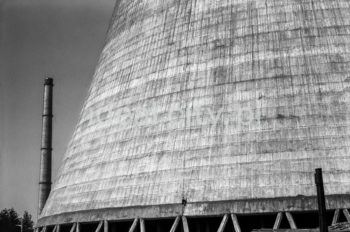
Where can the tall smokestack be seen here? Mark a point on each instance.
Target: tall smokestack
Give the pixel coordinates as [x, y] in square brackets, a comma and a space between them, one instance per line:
[46, 146]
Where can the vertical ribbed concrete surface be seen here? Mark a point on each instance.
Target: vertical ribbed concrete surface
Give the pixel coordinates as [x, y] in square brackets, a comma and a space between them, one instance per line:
[212, 100]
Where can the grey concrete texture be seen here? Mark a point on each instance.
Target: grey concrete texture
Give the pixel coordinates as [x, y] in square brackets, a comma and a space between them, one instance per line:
[203, 209]
[212, 100]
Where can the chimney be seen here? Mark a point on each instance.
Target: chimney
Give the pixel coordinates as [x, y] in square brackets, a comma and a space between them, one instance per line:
[46, 146]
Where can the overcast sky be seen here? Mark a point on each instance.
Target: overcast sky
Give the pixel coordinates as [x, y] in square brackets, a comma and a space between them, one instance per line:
[39, 38]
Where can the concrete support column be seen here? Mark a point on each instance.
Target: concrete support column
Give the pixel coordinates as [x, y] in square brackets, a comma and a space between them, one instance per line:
[105, 226]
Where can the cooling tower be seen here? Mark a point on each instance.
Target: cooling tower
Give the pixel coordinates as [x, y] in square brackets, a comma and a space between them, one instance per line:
[200, 108]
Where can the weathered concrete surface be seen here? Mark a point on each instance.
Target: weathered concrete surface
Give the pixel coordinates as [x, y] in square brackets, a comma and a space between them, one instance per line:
[251, 206]
[212, 100]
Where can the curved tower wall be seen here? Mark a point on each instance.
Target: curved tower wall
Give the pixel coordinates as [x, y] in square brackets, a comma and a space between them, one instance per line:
[211, 101]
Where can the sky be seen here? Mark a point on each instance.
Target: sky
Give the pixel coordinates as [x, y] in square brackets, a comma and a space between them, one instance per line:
[40, 38]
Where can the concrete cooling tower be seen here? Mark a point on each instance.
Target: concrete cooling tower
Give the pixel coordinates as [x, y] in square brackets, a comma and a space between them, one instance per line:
[211, 115]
